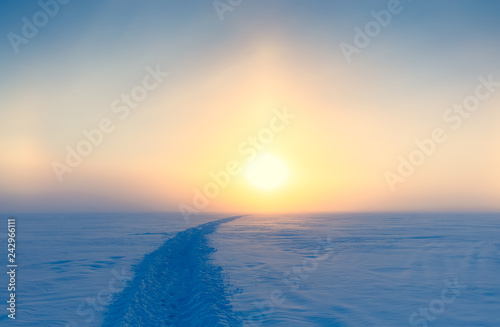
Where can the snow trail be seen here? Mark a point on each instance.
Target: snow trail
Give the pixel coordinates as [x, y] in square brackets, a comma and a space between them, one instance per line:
[176, 285]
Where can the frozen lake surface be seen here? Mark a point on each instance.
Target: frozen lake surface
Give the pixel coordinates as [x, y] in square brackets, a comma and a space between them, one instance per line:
[258, 270]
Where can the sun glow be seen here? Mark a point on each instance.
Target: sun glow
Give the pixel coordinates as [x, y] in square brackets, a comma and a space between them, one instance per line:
[266, 172]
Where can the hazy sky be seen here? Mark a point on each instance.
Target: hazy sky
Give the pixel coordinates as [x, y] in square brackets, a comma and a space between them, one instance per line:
[352, 121]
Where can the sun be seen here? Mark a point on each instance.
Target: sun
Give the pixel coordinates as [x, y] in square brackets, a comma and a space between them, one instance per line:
[266, 171]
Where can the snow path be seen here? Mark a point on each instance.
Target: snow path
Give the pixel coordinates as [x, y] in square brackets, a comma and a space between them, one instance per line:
[176, 285]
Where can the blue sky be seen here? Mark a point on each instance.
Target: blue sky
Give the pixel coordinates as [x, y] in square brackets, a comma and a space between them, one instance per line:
[64, 79]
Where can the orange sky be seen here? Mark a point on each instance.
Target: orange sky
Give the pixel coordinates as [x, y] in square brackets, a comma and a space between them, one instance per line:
[351, 124]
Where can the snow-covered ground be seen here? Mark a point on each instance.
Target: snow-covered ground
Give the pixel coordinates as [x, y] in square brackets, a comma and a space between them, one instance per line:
[293, 270]
[70, 264]
[363, 269]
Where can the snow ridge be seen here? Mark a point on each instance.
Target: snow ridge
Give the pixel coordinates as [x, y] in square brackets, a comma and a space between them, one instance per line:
[176, 285]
